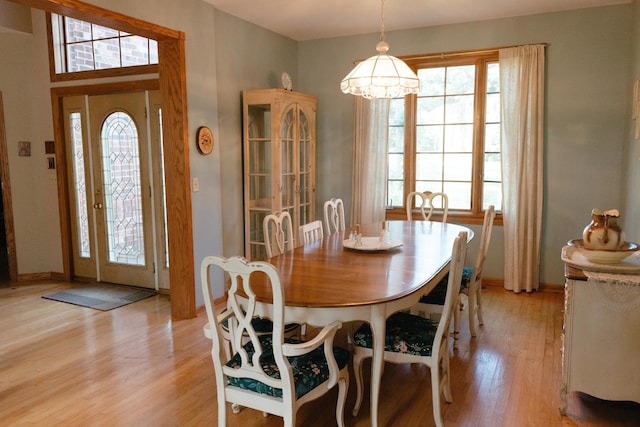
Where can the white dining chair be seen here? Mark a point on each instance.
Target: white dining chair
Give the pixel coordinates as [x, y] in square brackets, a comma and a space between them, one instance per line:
[311, 231]
[415, 339]
[433, 303]
[278, 233]
[334, 215]
[269, 373]
[278, 239]
[278, 236]
[424, 201]
[474, 289]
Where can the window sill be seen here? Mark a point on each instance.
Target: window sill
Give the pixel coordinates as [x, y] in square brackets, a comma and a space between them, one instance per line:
[456, 217]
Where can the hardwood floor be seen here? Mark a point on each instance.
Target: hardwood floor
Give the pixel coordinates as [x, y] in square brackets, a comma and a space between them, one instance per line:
[133, 366]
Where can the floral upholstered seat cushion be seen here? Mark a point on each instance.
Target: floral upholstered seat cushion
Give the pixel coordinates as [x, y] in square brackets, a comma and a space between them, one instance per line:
[309, 370]
[439, 293]
[406, 333]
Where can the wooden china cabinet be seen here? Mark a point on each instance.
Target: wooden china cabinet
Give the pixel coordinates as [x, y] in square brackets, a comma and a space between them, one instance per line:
[279, 144]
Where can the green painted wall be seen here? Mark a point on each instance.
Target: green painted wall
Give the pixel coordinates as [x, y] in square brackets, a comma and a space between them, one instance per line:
[587, 97]
[249, 57]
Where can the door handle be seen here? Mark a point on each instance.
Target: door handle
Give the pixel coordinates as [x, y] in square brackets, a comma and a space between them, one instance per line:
[97, 205]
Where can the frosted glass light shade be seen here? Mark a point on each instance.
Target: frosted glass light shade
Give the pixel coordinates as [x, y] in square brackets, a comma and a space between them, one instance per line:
[381, 76]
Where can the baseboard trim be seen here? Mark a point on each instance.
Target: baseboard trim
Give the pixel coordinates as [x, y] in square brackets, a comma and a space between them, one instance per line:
[543, 287]
[32, 277]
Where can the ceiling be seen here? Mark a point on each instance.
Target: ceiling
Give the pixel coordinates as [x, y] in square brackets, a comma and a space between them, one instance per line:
[318, 19]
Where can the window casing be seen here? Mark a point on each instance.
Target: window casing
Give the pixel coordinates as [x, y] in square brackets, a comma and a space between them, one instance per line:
[447, 137]
[80, 49]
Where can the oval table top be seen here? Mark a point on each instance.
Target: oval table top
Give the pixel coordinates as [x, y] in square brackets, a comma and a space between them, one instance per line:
[326, 274]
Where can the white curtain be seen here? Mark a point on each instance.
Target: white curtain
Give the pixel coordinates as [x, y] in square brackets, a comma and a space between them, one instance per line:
[369, 161]
[522, 105]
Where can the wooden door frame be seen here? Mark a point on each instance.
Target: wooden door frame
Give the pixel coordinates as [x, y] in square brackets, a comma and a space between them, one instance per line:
[6, 198]
[173, 90]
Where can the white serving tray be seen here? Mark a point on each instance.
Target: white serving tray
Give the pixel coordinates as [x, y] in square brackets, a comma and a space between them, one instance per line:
[573, 257]
[371, 244]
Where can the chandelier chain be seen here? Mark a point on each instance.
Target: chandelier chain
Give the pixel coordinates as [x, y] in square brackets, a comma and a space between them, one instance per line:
[382, 20]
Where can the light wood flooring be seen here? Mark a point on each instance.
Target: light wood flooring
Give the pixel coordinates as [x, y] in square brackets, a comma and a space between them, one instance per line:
[133, 366]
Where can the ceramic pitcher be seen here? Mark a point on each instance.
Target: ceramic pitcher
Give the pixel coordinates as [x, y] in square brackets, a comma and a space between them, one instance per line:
[603, 233]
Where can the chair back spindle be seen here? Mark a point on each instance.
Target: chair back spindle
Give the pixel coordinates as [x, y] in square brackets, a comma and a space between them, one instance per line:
[278, 233]
[426, 204]
[334, 216]
[311, 232]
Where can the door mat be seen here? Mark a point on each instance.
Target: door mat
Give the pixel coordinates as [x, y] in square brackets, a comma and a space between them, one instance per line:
[101, 296]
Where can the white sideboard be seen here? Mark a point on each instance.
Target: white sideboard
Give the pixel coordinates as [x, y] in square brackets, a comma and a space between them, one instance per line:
[601, 337]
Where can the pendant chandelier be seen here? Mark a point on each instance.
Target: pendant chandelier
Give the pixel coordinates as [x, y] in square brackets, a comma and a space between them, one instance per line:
[382, 75]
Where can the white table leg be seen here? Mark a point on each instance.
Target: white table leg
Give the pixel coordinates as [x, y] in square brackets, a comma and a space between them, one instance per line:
[378, 331]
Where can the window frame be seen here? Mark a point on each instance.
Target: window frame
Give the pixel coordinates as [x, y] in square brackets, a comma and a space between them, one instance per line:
[480, 59]
[91, 74]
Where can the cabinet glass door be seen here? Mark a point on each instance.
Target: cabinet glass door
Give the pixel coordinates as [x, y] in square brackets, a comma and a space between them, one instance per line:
[259, 175]
[287, 164]
[305, 168]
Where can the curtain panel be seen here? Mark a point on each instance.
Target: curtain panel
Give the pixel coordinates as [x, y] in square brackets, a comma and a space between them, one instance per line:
[522, 106]
[369, 160]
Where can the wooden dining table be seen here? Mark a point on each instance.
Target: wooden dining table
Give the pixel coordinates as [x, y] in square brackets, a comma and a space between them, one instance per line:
[324, 281]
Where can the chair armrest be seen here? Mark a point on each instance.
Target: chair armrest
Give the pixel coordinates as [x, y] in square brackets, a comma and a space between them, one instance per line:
[207, 331]
[224, 315]
[325, 336]
[219, 318]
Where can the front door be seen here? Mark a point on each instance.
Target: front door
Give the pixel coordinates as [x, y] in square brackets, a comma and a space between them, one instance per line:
[112, 185]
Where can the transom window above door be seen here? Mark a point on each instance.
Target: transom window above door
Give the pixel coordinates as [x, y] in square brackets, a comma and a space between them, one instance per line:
[80, 47]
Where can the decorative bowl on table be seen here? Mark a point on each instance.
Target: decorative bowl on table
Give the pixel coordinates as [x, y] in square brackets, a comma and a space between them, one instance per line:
[371, 244]
[600, 256]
